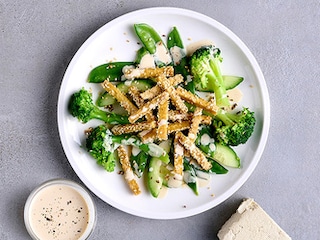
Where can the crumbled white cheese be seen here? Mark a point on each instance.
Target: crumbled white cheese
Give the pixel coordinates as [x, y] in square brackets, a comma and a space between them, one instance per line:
[251, 222]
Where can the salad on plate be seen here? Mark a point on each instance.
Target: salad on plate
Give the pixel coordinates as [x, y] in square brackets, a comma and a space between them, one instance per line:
[169, 118]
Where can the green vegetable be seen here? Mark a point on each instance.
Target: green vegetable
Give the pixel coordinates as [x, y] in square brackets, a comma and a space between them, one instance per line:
[82, 107]
[151, 149]
[101, 141]
[230, 82]
[175, 43]
[211, 148]
[139, 162]
[140, 54]
[110, 71]
[190, 177]
[233, 128]
[153, 43]
[96, 146]
[155, 180]
[158, 174]
[105, 99]
[226, 156]
[148, 36]
[205, 67]
[174, 39]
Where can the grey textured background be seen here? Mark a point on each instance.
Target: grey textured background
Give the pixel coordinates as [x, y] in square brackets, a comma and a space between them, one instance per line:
[39, 38]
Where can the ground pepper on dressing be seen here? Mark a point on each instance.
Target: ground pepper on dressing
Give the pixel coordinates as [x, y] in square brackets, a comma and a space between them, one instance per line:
[59, 212]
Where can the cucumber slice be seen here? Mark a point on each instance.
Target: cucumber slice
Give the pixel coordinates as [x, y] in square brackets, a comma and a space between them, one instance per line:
[158, 172]
[105, 99]
[155, 179]
[230, 82]
[226, 156]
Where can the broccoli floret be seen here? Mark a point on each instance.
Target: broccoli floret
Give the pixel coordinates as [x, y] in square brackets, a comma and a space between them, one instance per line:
[234, 129]
[205, 68]
[100, 149]
[82, 107]
[101, 144]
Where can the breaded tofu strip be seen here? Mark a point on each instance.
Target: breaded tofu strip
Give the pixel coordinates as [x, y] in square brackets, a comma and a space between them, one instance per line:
[197, 101]
[156, 90]
[133, 128]
[150, 105]
[195, 122]
[128, 173]
[135, 94]
[132, 73]
[119, 96]
[178, 154]
[151, 136]
[162, 131]
[174, 97]
[194, 151]
[177, 116]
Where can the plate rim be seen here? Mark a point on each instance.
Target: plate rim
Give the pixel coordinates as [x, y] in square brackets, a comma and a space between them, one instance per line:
[265, 101]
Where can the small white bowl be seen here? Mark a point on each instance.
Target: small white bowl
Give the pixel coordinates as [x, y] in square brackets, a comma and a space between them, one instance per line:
[60, 208]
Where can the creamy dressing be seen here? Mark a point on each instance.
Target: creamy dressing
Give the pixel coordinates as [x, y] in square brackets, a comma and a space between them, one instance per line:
[175, 181]
[235, 95]
[59, 212]
[147, 61]
[192, 47]
[162, 55]
[177, 54]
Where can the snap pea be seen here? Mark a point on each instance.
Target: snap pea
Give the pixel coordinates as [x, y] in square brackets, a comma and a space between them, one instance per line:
[180, 65]
[174, 39]
[139, 162]
[190, 177]
[110, 71]
[148, 36]
[152, 41]
[140, 54]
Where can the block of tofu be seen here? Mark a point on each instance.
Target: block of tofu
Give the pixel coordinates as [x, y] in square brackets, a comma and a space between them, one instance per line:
[250, 221]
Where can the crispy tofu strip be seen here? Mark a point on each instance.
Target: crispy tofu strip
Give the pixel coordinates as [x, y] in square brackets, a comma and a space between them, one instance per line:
[132, 73]
[178, 156]
[133, 128]
[128, 173]
[174, 97]
[175, 115]
[178, 126]
[156, 90]
[121, 98]
[162, 131]
[151, 136]
[150, 105]
[135, 94]
[194, 151]
[206, 120]
[195, 122]
[197, 101]
[148, 136]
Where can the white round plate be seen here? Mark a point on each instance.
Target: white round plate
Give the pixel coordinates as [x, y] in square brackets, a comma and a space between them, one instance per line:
[116, 41]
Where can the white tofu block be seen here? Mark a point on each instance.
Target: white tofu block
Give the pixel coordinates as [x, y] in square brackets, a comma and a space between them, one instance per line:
[251, 222]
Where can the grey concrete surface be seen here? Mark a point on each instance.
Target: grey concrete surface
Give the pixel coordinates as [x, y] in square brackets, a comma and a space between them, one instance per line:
[39, 38]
